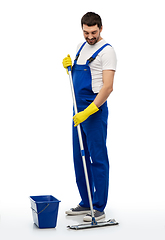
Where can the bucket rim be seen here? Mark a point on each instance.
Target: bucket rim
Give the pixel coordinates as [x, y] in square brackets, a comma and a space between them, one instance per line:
[55, 200]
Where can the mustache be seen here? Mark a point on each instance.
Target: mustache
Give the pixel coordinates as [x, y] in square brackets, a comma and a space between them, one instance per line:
[91, 39]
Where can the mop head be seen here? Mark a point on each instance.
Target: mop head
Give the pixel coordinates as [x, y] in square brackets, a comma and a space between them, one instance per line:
[110, 222]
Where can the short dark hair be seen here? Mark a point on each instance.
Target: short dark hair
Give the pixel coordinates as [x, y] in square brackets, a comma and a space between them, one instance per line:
[91, 19]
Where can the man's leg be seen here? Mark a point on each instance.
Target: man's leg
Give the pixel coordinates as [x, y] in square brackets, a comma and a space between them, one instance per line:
[95, 129]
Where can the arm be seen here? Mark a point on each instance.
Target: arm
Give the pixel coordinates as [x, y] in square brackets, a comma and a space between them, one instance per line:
[108, 77]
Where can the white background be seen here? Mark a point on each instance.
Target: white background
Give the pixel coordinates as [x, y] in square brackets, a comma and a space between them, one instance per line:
[36, 107]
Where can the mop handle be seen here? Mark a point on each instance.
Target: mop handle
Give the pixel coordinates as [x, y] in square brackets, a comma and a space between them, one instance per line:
[75, 109]
[81, 145]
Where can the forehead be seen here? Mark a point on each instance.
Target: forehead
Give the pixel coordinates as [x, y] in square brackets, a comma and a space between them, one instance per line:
[88, 29]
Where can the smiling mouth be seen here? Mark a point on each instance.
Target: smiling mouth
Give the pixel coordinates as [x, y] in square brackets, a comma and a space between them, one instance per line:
[93, 40]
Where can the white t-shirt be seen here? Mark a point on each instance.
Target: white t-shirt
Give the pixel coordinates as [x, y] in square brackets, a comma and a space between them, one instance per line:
[105, 60]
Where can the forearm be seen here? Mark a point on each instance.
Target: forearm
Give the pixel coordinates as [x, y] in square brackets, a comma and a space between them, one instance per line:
[108, 77]
[102, 96]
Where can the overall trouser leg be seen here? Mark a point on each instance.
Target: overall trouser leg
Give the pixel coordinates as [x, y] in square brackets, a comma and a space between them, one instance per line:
[94, 133]
[95, 129]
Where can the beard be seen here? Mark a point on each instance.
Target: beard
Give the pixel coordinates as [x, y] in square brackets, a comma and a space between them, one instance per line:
[93, 40]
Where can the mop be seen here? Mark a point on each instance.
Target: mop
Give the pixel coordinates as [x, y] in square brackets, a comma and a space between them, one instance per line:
[93, 223]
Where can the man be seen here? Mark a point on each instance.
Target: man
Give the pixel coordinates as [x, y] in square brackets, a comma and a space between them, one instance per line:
[93, 74]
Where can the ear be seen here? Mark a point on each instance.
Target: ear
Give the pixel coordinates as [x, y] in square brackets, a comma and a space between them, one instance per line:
[101, 28]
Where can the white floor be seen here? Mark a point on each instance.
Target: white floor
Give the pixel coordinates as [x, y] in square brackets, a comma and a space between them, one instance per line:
[135, 223]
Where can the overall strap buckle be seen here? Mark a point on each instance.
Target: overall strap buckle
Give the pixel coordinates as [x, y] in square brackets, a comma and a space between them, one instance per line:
[91, 59]
[96, 53]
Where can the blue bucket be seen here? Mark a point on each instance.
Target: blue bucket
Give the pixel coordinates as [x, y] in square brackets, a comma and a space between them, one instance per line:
[44, 210]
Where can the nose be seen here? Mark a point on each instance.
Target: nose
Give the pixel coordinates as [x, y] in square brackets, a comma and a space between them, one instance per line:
[90, 36]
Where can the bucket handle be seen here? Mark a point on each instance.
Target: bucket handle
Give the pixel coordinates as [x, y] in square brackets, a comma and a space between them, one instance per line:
[41, 210]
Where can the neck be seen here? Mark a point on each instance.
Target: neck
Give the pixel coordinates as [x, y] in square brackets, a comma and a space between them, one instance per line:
[100, 39]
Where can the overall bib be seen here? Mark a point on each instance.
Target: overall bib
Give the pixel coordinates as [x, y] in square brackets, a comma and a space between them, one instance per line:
[94, 134]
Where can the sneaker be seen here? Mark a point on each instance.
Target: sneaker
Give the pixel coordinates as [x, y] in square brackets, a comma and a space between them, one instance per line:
[98, 215]
[78, 210]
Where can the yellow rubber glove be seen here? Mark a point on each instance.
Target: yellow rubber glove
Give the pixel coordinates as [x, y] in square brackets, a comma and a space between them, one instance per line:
[67, 62]
[83, 115]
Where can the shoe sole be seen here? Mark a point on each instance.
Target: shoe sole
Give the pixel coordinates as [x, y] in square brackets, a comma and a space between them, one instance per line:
[89, 219]
[71, 213]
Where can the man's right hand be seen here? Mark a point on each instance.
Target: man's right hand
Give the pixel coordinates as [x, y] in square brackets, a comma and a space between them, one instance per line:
[67, 62]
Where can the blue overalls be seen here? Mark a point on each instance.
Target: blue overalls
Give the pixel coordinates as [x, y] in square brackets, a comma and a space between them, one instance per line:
[94, 134]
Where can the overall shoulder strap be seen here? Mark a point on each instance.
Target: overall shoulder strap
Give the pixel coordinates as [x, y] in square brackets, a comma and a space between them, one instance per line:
[96, 53]
[78, 53]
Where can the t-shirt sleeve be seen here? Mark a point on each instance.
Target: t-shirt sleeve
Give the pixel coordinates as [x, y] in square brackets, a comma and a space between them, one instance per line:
[109, 60]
